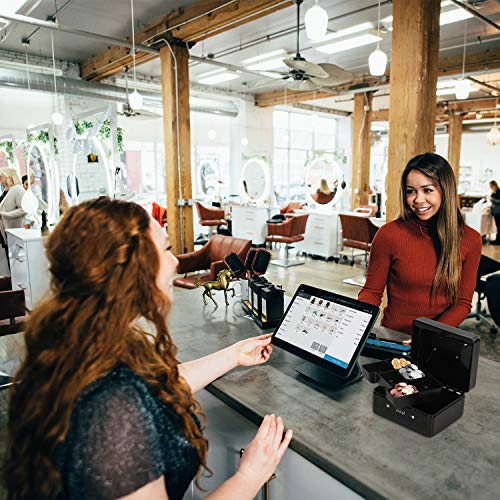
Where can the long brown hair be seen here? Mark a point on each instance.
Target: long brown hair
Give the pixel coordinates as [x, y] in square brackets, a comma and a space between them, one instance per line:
[450, 222]
[103, 266]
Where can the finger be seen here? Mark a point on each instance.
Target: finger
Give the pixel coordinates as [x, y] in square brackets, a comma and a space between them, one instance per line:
[265, 336]
[264, 427]
[279, 432]
[272, 428]
[284, 444]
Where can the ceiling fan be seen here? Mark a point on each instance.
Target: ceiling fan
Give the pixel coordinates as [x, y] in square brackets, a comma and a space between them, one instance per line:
[305, 75]
[126, 110]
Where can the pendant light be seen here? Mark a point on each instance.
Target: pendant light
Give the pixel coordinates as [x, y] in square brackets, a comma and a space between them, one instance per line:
[493, 137]
[378, 58]
[135, 99]
[57, 117]
[316, 21]
[462, 87]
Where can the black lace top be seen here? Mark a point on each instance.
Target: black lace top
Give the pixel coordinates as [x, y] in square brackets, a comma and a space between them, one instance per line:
[121, 438]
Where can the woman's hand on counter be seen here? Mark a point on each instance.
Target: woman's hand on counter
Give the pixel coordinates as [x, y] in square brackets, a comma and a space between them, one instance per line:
[258, 462]
[264, 453]
[253, 351]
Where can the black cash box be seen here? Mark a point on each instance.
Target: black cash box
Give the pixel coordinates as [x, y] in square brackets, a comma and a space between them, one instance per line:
[448, 357]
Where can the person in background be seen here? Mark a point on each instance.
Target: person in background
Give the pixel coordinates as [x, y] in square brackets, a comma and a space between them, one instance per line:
[11, 212]
[102, 407]
[42, 205]
[495, 208]
[428, 258]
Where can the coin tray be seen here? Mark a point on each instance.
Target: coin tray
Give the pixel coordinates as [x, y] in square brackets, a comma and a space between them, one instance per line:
[449, 358]
[384, 374]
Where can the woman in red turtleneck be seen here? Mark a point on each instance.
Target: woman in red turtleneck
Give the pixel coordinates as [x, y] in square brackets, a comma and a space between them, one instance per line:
[428, 257]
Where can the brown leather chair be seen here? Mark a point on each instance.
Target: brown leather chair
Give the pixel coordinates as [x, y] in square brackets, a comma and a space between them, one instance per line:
[209, 257]
[210, 217]
[290, 231]
[357, 232]
[12, 307]
[288, 209]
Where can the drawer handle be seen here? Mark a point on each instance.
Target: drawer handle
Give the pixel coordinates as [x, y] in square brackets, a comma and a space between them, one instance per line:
[22, 286]
[21, 247]
[20, 258]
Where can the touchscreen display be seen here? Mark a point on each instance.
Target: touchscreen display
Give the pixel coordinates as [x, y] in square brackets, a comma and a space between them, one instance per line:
[324, 328]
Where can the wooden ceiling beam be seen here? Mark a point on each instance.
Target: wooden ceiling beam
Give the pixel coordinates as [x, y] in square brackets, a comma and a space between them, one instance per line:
[320, 109]
[484, 104]
[188, 24]
[449, 66]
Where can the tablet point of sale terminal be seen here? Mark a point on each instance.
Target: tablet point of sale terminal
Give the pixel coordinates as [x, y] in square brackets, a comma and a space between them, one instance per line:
[328, 331]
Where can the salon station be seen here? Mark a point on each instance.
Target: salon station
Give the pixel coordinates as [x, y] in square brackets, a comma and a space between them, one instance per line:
[269, 139]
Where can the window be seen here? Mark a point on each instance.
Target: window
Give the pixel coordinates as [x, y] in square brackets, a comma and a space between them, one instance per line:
[296, 136]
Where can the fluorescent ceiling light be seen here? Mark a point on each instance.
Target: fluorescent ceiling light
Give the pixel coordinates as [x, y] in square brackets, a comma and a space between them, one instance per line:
[349, 43]
[445, 91]
[452, 16]
[449, 16]
[445, 84]
[347, 31]
[263, 57]
[217, 76]
[267, 65]
[12, 6]
[271, 75]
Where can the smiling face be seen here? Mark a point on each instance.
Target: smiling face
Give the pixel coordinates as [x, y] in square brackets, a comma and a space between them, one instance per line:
[167, 260]
[422, 195]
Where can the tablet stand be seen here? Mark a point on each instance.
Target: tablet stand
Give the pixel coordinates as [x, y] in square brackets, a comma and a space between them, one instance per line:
[327, 378]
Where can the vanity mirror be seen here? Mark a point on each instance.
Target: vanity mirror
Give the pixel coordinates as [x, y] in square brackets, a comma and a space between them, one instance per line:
[323, 181]
[255, 180]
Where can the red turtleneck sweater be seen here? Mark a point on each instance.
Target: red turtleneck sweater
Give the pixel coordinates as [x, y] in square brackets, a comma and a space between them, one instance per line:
[403, 257]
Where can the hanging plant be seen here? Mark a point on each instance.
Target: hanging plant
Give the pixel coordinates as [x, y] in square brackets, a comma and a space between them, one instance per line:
[81, 126]
[41, 138]
[327, 155]
[7, 148]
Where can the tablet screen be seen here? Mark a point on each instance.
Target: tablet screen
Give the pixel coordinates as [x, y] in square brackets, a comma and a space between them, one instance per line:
[325, 328]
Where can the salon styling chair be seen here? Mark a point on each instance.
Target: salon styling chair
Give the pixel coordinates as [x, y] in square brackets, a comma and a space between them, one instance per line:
[289, 231]
[159, 213]
[291, 207]
[210, 217]
[493, 297]
[487, 266]
[210, 259]
[357, 233]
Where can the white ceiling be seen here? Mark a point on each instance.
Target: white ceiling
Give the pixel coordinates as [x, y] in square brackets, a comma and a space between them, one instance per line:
[113, 18]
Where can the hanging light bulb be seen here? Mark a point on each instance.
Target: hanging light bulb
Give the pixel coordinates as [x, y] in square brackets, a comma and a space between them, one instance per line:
[378, 58]
[316, 21]
[212, 134]
[244, 141]
[135, 100]
[493, 137]
[57, 118]
[462, 88]
[478, 116]
[377, 62]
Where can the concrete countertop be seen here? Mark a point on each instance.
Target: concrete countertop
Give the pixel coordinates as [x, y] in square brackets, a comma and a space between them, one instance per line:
[339, 432]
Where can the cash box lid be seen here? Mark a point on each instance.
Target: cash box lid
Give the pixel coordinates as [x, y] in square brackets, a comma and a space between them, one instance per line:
[448, 353]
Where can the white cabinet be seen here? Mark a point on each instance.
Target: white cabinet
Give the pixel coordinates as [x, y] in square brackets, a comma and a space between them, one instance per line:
[228, 432]
[321, 236]
[250, 223]
[28, 264]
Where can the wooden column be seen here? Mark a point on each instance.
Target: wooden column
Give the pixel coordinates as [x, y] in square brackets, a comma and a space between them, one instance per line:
[414, 68]
[180, 219]
[455, 142]
[361, 148]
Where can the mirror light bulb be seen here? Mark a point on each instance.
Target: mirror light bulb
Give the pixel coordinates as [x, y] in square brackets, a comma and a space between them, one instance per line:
[57, 118]
[462, 89]
[135, 100]
[212, 134]
[244, 141]
[377, 62]
[316, 21]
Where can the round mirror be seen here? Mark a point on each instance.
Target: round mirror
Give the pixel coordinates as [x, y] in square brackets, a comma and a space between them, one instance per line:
[208, 175]
[255, 180]
[91, 173]
[323, 181]
[41, 186]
